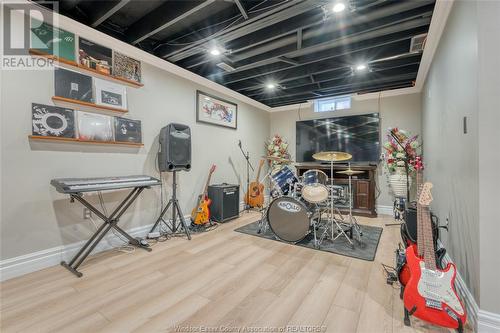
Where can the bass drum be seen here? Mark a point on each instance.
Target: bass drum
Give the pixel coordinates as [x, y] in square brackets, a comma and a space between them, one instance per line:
[288, 219]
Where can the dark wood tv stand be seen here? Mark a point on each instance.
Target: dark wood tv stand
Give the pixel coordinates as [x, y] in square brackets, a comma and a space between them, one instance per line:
[363, 185]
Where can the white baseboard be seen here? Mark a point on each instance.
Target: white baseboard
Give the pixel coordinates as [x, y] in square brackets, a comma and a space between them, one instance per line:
[385, 210]
[17, 266]
[483, 321]
[488, 322]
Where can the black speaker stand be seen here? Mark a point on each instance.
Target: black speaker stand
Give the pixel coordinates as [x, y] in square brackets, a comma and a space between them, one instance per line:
[249, 166]
[176, 209]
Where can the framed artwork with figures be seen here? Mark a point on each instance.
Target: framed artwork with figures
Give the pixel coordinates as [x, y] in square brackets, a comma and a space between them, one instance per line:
[215, 111]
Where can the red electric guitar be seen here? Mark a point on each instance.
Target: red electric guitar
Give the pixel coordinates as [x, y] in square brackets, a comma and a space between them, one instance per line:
[430, 292]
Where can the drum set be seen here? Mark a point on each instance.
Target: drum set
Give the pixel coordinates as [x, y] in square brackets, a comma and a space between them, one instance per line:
[308, 204]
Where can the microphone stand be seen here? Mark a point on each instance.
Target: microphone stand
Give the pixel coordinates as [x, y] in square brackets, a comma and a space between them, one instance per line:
[249, 166]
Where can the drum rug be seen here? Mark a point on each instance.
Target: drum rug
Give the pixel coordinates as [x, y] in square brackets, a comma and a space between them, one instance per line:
[365, 250]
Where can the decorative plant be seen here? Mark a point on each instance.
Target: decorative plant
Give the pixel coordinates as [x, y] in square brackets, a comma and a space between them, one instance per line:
[396, 154]
[277, 147]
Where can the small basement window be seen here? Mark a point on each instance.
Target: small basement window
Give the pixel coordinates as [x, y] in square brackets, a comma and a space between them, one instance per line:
[332, 104]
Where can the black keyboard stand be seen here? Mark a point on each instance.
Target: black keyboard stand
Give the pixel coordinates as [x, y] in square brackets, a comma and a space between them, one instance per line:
[109, 222]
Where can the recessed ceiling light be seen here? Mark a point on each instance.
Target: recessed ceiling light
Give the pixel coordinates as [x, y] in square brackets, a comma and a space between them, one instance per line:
[215, 51]
[338, 7]
[361, 67]
[270, 86]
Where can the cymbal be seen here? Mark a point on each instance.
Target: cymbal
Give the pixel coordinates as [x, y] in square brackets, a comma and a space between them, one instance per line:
[277, 159]
[350, 172]
[335, 156]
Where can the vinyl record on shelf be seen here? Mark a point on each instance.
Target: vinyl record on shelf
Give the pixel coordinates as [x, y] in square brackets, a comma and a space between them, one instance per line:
[94, 127]
[50, 120]
[94, 56]
[110, 94]
[73, 85]
[52, 40]
[126, 67]
[128, 130]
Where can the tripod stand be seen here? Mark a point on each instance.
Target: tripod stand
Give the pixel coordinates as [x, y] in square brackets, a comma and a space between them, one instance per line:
[176, 209]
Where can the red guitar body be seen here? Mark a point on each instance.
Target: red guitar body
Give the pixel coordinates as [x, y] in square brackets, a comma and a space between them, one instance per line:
[438, 284]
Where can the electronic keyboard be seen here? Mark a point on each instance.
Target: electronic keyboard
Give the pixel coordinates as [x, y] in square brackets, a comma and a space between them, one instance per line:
[78, 185]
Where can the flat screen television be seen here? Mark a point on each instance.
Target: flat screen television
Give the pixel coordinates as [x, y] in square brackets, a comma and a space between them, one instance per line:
[357, 135]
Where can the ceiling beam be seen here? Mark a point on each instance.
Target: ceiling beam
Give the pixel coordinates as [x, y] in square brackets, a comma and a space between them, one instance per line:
[378, 38]
[334, 74]
[344, 84]
[101, 15]
[394, 74]
[343, 58]
[254, 23]
[162, 18]
[241, 9]
[243, 54]
[345, 91]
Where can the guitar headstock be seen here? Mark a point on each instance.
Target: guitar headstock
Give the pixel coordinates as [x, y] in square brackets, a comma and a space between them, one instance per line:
[261, 163]
[212, 169]
[425, 197]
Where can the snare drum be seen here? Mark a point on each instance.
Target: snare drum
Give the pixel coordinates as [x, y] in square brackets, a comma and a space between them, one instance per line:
[284, 180]
[314, 188]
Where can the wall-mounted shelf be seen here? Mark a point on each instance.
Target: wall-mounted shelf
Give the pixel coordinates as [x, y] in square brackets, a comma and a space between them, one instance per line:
[92, 142]
[85, 106]
[75, 66]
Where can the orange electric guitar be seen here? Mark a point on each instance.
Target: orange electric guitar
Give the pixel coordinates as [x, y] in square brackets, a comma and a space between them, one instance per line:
[430, 292]
[201, 213]
[255, 195]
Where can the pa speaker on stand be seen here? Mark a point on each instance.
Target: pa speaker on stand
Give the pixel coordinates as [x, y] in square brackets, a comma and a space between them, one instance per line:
[174, 155]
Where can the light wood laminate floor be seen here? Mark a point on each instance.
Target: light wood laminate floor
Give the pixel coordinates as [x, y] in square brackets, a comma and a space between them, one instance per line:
[220, 281]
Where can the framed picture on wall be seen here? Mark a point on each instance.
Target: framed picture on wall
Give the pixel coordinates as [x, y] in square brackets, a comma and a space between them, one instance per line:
[110, 94]
[215, 111]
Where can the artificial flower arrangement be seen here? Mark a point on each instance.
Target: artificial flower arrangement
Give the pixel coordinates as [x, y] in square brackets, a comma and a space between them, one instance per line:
[395, 153]
[277, 147]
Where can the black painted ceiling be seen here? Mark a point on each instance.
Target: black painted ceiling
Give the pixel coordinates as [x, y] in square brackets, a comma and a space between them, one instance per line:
[301, 46]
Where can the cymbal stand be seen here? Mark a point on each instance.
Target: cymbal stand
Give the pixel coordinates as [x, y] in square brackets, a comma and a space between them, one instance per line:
[332, 221]
[352, 219]
[263, 223]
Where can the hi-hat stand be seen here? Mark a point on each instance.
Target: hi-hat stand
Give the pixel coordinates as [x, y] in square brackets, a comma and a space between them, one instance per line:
[249, 166]
[176, 210]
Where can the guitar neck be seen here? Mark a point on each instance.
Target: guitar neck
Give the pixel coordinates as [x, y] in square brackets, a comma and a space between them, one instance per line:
[205, 191]
[258, 172]
[425, 240]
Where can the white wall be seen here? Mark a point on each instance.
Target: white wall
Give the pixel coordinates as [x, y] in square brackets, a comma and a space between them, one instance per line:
[396, 111]
[35, 217]
[489, 154]
[450, 156]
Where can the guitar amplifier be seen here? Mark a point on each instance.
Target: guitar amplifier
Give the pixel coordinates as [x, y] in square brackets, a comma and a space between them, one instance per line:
[225, 202]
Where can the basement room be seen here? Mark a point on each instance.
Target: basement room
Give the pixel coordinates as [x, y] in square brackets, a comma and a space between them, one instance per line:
[267, 166]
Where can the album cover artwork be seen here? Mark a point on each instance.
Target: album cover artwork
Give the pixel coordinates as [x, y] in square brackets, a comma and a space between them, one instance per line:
[95, 56]
[128, 130]
[126, 67]
[95, 127]
[73, 85]
[51, 40]
[110, 94]
[52, 121]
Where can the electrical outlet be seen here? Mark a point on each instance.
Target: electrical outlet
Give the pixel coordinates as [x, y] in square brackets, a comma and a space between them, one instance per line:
[87, 214]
